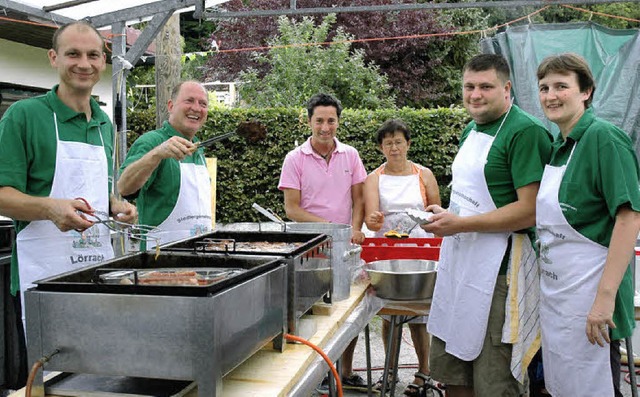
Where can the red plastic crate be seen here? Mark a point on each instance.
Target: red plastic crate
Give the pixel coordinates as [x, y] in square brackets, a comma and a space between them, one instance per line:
[377, 249]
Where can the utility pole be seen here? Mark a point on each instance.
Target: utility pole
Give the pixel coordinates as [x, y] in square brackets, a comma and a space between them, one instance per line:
[168, 65]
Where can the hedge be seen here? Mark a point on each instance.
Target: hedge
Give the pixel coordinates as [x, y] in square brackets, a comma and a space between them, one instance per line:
[249, 172]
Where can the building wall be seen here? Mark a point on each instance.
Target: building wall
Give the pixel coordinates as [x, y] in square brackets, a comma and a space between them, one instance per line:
[29, 66]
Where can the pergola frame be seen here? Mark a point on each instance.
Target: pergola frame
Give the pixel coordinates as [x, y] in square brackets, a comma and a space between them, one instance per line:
[160, 12]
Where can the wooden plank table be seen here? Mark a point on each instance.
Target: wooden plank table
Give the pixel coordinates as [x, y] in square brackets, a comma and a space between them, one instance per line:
[270, 373]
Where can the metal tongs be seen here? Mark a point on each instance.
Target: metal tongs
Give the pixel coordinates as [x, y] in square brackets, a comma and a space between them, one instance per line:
[211, 141]
[136, 231]
[270, 214]
[394, 233]
[118, 226]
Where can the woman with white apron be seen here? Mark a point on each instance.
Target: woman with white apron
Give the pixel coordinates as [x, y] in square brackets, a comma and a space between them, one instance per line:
[390, 190]
[587, 222]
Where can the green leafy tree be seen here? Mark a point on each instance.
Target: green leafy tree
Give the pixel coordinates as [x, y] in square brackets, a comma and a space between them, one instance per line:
[422, 71]
[298, 72]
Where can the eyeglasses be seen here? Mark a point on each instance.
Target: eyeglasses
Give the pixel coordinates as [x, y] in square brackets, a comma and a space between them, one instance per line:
[398, 144]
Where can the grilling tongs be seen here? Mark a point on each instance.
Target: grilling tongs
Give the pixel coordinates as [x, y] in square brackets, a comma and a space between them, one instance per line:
[211, 141]
[268, 213]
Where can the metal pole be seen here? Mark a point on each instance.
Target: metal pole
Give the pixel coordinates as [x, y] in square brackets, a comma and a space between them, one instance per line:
[367, 346]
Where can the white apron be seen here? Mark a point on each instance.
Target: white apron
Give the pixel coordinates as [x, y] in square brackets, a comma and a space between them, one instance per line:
[81, 170]
[571, 266]
[469, 262]
[191, 215]
[397, 193]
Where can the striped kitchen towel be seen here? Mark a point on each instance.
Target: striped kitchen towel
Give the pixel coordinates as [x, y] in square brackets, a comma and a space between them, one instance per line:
[522, 321]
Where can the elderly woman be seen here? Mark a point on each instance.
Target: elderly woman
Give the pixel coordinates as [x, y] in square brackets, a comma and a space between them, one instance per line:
[587, 221]
[392, 188]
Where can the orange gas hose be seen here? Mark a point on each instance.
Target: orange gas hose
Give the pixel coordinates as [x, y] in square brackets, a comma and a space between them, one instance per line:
[324, 356]
[34, 370]
[32, 376]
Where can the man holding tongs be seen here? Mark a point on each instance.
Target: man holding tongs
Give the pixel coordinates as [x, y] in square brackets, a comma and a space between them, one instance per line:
[54, 148]
[165, 170]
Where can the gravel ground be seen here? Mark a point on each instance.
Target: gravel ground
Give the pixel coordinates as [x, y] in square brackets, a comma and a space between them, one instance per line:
[408, 361]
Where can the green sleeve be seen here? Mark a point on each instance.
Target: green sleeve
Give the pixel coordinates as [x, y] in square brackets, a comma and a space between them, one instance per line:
[140, 147]
[619, 176]
[13, 155]
[528, 154]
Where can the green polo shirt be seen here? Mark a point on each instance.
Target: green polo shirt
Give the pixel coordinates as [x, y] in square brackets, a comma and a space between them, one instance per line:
[158, 196]
[516, 158]
[28, 146]
[601, 176]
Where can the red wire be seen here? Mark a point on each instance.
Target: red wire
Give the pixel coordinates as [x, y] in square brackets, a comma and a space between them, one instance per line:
[324, 356]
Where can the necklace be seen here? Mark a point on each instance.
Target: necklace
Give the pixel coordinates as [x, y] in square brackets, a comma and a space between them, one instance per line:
[324, 156]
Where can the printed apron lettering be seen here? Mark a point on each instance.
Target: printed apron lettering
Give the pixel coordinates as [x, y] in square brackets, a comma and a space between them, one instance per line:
[469, 262]
[568, 262]
[81, 171]
[191, 216]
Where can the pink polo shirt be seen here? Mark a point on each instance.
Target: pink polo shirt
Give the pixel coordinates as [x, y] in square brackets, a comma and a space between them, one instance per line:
[325, 189]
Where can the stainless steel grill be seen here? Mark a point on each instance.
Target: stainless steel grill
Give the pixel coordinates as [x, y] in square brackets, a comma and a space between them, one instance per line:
[198, 332]
[307, 255]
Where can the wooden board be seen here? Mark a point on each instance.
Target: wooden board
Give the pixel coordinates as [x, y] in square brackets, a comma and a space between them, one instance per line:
[269, 373]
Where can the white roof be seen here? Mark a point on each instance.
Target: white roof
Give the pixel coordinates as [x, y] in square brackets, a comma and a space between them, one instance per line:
[100, 7]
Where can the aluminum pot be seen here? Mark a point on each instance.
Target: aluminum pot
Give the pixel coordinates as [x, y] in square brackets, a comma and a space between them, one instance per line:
[343, 254]
[403, 279]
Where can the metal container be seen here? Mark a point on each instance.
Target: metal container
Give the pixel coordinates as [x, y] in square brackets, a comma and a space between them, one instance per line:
[344, 255]
[307, 255]
[7, 235]
[403, 279]
[195, 333]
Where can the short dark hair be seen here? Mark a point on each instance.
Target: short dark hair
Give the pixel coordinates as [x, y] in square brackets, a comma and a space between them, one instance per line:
[484, 62]
[566, 63]
[390, 127]
[323, 100]
[80, 24]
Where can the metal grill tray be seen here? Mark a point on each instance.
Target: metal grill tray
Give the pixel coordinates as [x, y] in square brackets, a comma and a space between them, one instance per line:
[284, 244]
[164, 276]
[86, 280]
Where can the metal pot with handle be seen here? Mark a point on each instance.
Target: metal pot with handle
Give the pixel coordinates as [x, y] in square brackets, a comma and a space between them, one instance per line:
[344, 255]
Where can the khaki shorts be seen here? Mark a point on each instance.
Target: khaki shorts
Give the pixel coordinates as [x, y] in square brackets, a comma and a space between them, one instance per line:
[490, 373]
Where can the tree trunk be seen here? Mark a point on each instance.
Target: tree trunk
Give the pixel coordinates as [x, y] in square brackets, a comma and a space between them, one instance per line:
[168, 66]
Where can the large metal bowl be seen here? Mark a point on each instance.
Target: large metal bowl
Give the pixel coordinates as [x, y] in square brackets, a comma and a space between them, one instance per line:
[403, 279]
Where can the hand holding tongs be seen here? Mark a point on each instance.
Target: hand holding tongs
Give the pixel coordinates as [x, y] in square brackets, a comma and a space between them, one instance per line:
[139, 231]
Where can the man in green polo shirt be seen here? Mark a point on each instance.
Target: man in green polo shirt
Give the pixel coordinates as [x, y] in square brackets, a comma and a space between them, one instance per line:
[496, 175]
[54, 149]
[165, 170]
